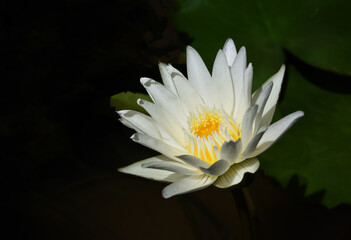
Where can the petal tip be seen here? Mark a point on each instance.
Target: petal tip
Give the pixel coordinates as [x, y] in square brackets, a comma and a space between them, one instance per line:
[122, 169]
[189, 48]
[134, 137]
[145, 81]
[121, 113]
[166, 194]
[162, 65]
[243, 50]
[300, 113]
[229, 41]
[140, 102]
[282, 70]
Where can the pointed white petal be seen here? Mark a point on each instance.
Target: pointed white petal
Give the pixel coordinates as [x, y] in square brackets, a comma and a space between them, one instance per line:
[247, 88]
[231, 150]
[126, 123]
[223, 85]
[251, 147]
[172, 71]
[157, 145]
[194, 161]
[267, 118]
[172, 166]
[261, 103]
[230, 51]
[190, 100]
[140, 122]
[163, 97]
[169, 127]
[236, 173]
[166, 77]
[263, 96]
[154, 174]
[275, 131]
[247, 124]
[181, 87]
[187, 185]
[237, 72]
[199, 75]
[277, 80]
[216, 169]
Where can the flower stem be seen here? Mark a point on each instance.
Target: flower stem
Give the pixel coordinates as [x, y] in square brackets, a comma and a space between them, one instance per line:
[247, 213]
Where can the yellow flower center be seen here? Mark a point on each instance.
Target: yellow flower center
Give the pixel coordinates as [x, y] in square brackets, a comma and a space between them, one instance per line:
[205, 123]
[209, 130]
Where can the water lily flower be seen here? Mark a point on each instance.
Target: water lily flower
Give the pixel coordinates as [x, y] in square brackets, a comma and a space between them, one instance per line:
[207, 128]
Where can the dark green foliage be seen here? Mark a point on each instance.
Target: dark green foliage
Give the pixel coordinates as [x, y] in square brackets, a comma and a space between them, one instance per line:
[318, 33]
[128, 100]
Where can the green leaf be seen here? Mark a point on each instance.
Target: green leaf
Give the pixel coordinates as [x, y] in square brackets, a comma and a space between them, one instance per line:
[317, 148]
[317, 32]
[128, 100]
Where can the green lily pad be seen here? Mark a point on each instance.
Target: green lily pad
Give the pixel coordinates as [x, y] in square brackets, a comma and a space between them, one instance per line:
[128, 100]
[317, 32]
[317, 148]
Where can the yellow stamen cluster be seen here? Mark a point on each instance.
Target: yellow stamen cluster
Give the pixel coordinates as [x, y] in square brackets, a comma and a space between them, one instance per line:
[205, 123]
[209, 130]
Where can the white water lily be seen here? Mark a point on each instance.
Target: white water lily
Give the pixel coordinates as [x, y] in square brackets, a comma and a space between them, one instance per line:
[208, 129]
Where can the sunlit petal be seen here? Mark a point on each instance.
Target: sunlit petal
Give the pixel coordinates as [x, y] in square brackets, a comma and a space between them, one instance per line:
[187, 185]
[153, 174]
[236, 173]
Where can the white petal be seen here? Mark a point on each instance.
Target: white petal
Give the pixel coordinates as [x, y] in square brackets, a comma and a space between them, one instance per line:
[267, 118]
[216, 169]
[140, 122]
[250, 148]
[172, 128]
[247, 124]
[166, 77]
[236, 173]
[199, 75]
[172, 71]
[230, 51]
[187, 185]
[154, 174]
[161, 96]
[263, 96]
[188, 97]
[237, 72]
[126, 123]
[172, 166]
[275, 131]
[223, 85]
[194, 161]
[190, 100]
[247, 88]
[231, 150]
[268, 111]
[261, 102]
[157, 145]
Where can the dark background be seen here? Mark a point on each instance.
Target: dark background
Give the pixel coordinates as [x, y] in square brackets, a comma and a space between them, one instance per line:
[62, 142]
